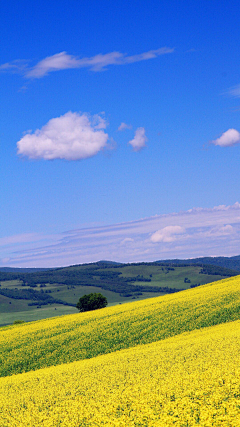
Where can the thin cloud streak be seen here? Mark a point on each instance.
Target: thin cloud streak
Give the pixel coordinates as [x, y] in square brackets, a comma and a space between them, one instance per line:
[64, 61]
[234, 91]
[193, 233]
[18, 66]
[19, 239]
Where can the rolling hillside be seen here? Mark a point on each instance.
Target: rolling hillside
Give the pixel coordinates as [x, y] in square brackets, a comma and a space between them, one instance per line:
[166, 361]
[47, 293]
[68, 338]
[189, 380]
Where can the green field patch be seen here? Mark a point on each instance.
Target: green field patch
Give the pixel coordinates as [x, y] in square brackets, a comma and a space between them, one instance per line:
[172, 277]
[29, 311]
[30, 314]
[11, 305]
[10, 283]
[72, 294]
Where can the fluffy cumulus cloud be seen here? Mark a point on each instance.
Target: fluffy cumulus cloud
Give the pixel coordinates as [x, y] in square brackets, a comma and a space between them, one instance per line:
[72, 136]
[167, 234]
[228, 138]
[226, 229]
[63, 61]
[139, 140]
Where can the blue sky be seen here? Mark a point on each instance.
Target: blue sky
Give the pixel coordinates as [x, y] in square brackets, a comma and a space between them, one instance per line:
[114, 113]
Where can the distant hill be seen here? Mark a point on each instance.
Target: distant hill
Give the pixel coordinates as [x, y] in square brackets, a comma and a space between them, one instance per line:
[21, 270]
[232, 263]
[31, 294]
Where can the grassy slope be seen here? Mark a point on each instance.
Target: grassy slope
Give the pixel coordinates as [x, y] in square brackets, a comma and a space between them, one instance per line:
[33, 314]
[69, 338]
[14, 309]
[188, 380]
[171, 278]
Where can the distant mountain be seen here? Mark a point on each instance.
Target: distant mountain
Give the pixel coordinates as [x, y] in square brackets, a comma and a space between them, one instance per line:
[232, 263]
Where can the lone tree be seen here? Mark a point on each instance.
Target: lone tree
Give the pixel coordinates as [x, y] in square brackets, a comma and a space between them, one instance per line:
[91, 302]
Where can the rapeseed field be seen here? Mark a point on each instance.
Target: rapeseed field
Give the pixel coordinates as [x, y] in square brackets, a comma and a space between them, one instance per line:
[188, 380]
[81, 336]
[166, 361]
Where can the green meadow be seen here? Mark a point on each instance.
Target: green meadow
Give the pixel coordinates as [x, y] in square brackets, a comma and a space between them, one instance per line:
[21, 293]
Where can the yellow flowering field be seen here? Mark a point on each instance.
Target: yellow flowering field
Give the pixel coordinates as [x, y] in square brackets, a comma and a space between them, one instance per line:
[69, 338]
[192, 379]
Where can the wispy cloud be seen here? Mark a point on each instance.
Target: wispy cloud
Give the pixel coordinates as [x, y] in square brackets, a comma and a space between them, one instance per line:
[194, 233]
[19, 239]
[234, 91]
[72, 136]
[18, 66]
[124, 126]
[228, 138]
[139, 140]
[63, 61]
[59, 61]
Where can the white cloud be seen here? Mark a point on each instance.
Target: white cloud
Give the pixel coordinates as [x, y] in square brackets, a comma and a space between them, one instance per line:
[139, 140]
[208, 231]
[226, 229]
[228, 138]
[72, 137]
[98, 62]
[215, 231]
[124, 126]
[167, 234]
[63, 61]
[59, 61]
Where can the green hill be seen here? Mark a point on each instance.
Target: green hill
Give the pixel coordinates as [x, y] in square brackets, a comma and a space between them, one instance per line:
[232, 263]
[41, 294]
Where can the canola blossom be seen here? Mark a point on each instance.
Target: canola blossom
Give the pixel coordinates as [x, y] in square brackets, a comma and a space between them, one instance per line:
[190, 380]
[74, 337]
